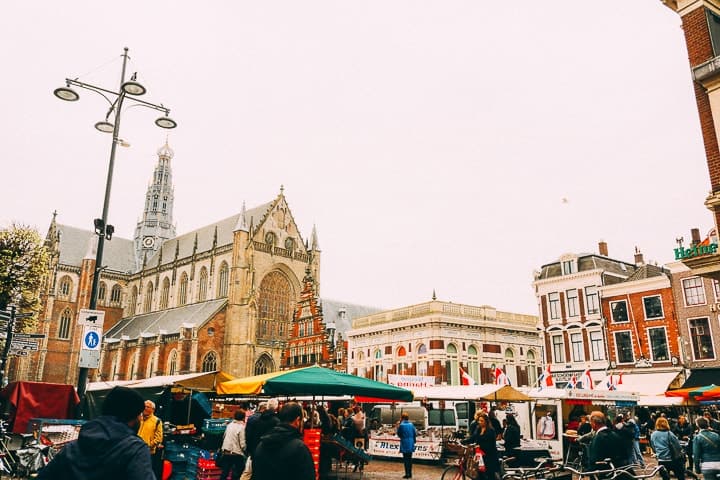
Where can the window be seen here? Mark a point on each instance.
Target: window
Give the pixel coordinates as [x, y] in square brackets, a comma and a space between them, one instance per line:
[658, 344]
[592, 304]
[182, 294]
[452, 368]
[694, 291]
[102, 289]
[558, 348]
[422, 349]
[64, 327]
[165, 294]
[623, 345]
[151, 365]
[568, 267]
[597, 346]
[653, 307]
[65, 287]
[115, 293]
[554, 303]
[209, 363]
[289, 244]
[202, 290]
[473, 364]
[619, 311]
[133, 301]
[147, 306]
[531, 368]
[716, 289]
[701, 339]
[223, 280]
[576, 347]
[573, 308]
[275, 300]
[172, 363]
[713, 22]
[270, 239]
[402, 365]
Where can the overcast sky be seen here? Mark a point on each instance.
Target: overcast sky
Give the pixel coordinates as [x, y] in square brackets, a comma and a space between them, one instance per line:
[447, 145]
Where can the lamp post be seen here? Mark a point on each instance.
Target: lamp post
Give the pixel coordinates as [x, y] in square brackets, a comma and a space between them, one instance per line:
[129, 90]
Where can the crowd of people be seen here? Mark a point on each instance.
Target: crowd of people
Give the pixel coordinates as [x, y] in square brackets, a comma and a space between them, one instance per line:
[681, 446]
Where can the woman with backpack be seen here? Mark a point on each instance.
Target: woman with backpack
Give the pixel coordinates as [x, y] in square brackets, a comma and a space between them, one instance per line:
[667, 450]
[706, 450]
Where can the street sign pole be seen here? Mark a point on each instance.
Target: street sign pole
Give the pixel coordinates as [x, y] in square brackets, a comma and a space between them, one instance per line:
[8, 339]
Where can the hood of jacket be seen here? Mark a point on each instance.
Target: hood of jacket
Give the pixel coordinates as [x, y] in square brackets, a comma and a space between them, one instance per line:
[280, 435]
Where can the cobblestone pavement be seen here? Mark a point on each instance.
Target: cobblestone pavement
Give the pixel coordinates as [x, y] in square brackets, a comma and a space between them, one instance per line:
[382, 469]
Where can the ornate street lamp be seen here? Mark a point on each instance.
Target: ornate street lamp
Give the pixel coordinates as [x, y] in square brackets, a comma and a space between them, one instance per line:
[129, 90]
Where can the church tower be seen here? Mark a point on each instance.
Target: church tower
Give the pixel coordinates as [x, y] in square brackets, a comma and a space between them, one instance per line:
[156, 225]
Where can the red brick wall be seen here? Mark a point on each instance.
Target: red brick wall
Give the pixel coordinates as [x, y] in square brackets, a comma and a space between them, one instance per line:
[699, 46]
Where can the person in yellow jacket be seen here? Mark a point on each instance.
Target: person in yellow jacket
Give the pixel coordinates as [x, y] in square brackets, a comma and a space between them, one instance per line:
[151, 431]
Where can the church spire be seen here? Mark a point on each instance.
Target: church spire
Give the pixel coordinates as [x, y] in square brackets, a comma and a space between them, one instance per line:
[156, 224]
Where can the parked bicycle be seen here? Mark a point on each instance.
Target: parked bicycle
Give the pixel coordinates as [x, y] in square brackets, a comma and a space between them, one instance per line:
[463, 468]
[544, 468]
[608, 471]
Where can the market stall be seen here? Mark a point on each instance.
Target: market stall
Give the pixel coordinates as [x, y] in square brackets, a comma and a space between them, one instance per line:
[552, 409]
[182, 404]
[448, 410]
[318, 383]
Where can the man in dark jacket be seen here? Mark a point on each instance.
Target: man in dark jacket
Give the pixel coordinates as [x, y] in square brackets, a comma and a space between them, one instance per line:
[606, 443]
[281, 453]
[107, 447]
[264, 423]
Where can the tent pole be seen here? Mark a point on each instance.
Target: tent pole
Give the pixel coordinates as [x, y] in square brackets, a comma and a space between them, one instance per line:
[187, 422]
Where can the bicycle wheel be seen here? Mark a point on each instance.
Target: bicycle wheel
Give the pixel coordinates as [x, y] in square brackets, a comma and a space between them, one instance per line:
[452, 473]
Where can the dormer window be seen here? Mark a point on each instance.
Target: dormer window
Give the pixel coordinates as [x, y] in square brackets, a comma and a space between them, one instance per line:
[569, 266]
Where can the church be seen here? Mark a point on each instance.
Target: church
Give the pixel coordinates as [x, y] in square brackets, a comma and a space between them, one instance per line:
[240, 295]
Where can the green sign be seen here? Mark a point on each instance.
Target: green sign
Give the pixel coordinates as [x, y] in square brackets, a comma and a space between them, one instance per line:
[695, 251]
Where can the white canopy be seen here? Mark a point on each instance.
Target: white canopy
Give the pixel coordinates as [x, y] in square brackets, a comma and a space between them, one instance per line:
[649, 384]
[489, 392]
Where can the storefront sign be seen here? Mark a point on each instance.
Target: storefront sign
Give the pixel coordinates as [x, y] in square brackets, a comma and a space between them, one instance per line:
[409, 381]
[696, 251]
[429, 449]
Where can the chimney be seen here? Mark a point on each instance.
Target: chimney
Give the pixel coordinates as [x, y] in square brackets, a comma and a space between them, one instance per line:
[639, 261]
[602, 247]
[695, 234]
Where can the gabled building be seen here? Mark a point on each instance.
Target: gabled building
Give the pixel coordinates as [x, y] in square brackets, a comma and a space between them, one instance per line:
[571, 317]
[642, 330]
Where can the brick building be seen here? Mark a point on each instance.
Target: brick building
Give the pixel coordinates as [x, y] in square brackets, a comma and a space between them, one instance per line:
[641, 321]
[701, 27]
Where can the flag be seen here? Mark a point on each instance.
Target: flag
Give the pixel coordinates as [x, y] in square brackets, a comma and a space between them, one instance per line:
[586, 380]
[465, 378]
[572, 383]
[610, 383]
[619, 382]
[546, 379]
[500, 377]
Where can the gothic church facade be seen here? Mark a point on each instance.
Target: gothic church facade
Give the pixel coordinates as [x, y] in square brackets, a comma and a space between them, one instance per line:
[240, 294]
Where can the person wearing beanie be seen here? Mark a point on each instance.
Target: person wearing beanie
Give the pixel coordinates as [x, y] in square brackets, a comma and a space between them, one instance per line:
[107, 447]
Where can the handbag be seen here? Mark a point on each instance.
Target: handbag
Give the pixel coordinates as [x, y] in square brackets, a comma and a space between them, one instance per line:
[676, 452]
[475, 463]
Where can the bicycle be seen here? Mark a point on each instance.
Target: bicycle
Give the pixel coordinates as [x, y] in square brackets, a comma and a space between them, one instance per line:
[545, 468]
[459, 470]
[612, 472]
